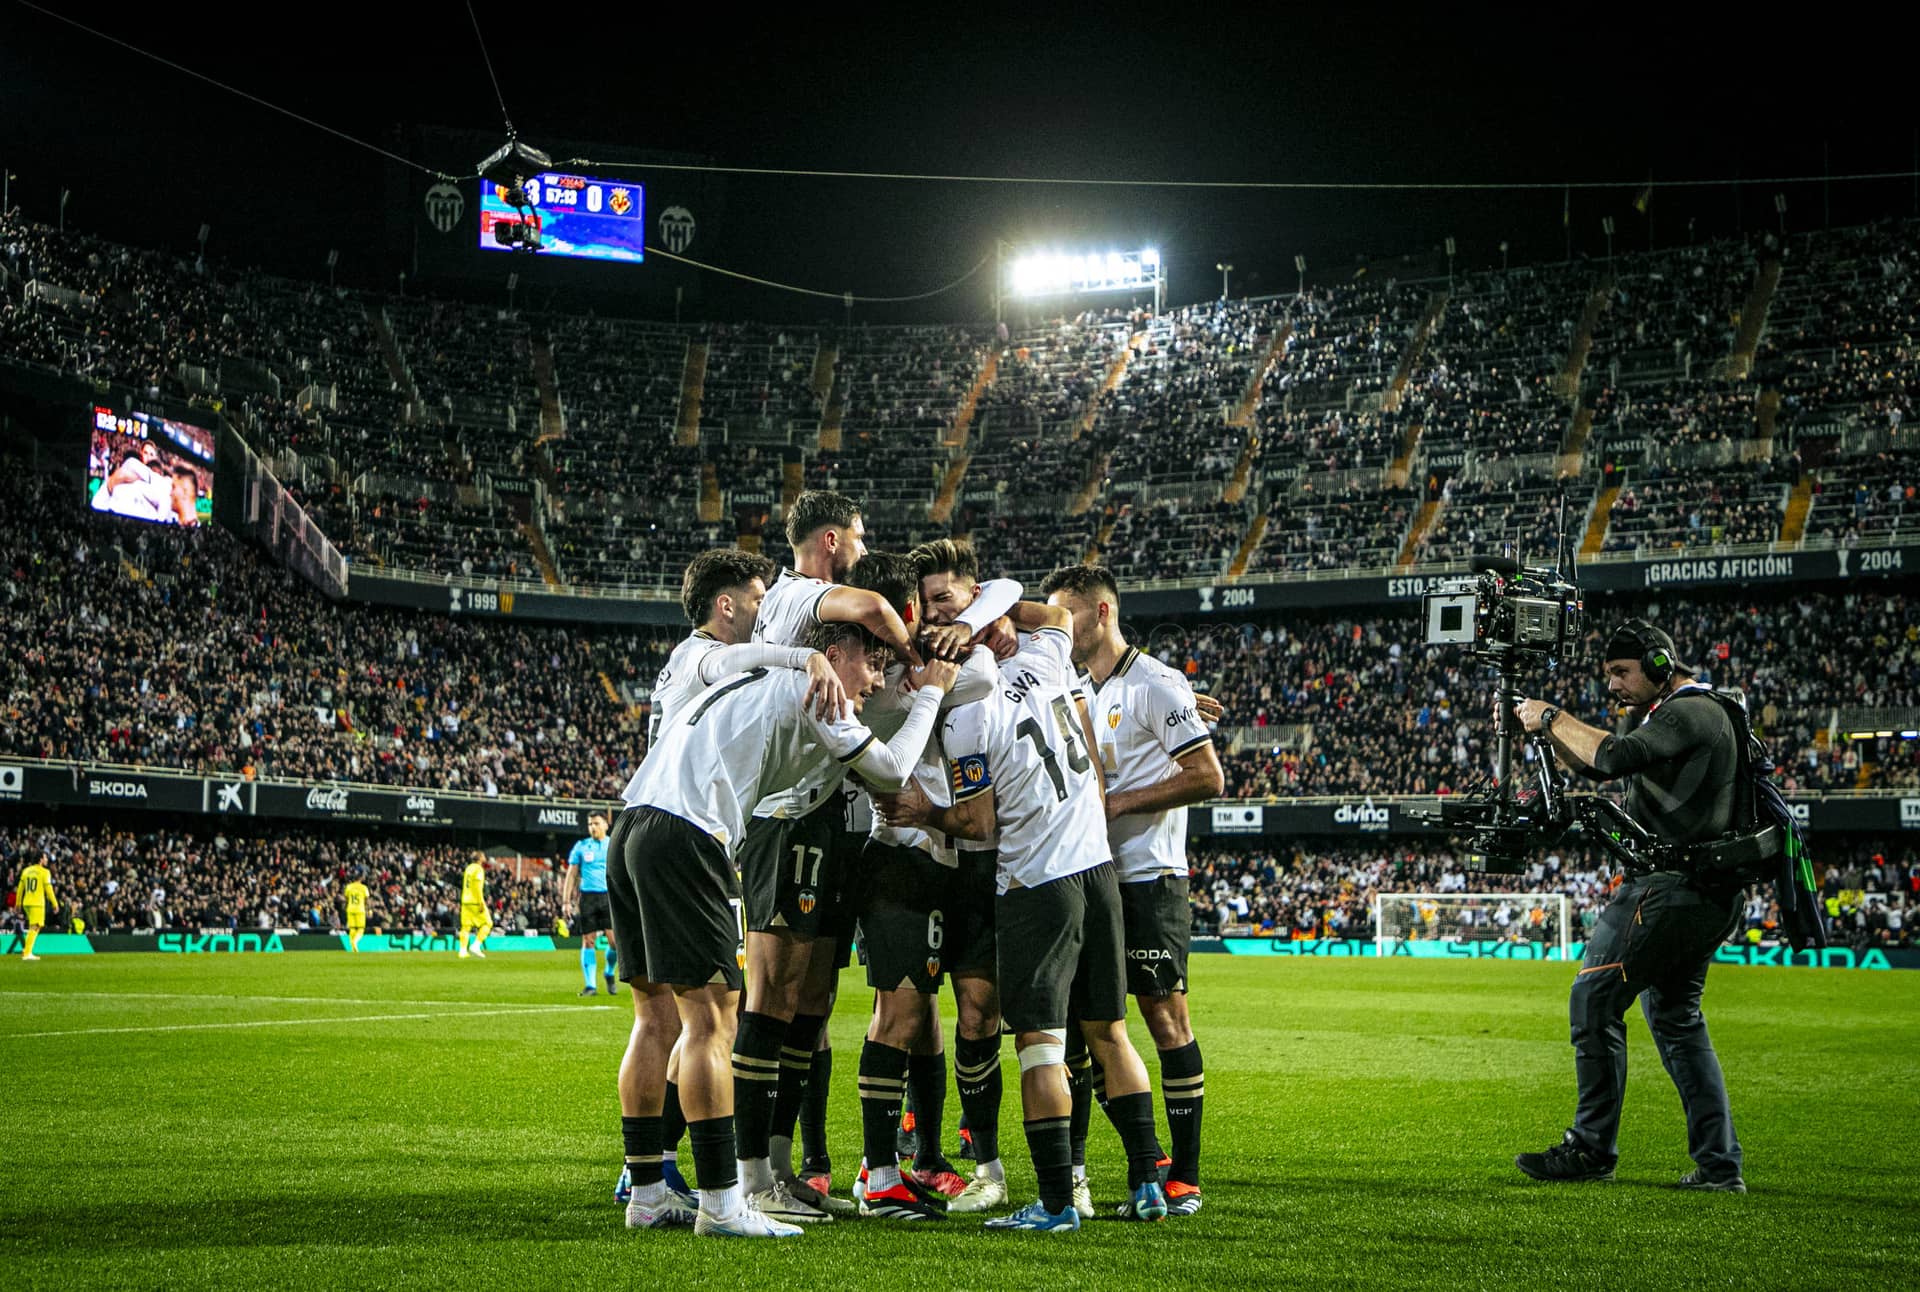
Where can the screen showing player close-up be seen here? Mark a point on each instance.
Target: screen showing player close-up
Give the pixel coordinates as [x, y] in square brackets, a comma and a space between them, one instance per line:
[150, 468]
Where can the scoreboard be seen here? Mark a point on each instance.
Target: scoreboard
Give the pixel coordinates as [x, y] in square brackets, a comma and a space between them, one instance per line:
[578, 215]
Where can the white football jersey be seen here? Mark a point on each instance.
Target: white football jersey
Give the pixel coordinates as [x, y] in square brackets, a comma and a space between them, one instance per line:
[1144, 718]
[885, 714]
[677, 685]
[1025, 744]
[791, 609]
[750, 735]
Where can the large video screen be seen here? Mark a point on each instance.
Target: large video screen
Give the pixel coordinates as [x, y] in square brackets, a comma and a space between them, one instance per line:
[593, 219]
[150, 468]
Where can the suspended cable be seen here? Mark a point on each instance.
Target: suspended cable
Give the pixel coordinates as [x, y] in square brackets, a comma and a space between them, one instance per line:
[1277, 185]
[232, 89]
[831, 296]
[488, 59]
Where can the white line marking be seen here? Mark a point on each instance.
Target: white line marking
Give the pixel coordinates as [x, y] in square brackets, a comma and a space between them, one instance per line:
[307, 1022]
[292, 1000]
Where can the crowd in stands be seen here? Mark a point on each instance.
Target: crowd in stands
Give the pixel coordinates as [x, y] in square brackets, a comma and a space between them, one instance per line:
[402, 392]
[132, 876]
[144, 644]
[1317, 888]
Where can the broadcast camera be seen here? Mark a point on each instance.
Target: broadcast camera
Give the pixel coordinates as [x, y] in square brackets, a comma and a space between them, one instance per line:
[1512, 616]
[509, 169]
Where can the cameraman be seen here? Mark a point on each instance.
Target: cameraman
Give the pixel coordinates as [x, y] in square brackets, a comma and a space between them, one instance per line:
[1658, 934]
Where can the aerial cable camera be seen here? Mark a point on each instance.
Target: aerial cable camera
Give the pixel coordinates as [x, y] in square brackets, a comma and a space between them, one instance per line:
[509, 169]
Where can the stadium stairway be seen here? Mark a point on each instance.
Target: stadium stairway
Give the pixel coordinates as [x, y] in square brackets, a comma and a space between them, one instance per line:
[1766, 414]
[553, 422]
[825, 360]
[710, 502]
[606, 684]
[1236, 490]
[1115, 371]
[793, 479]
[940, 510]
[542, 554]
[1090, 487]
[1793, 527]
[833, 417]
[1416, 347]
[1100, 540]
[1248, 546]
[1402, 465]
[1597, 523]
[956, 436]
[1753, 320]
[1422, 522]
[1574, 452]
[1567, 384]
[693, 385]
[397, 370]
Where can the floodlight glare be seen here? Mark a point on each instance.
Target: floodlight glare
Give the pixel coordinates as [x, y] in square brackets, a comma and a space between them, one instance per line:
[1058, 273]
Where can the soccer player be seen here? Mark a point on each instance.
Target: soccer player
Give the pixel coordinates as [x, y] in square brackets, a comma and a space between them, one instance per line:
[33, 894]
[676, 897]
[1020, 764]
[475, 921]
[355, 896]
[792, 860]
[586, 893]
[1158, 757]
[916, 921]
[720, 593]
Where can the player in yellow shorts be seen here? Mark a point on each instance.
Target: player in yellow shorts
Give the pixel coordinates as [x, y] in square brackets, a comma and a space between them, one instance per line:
[33, 894]
[357, 897]
[474, 918]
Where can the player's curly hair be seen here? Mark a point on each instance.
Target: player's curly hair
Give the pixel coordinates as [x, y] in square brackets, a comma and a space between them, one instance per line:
[814, 510]
[953, 556]
[713, 572]
[1094, 582]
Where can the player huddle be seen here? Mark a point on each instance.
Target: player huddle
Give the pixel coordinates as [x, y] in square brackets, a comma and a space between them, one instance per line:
[876, 743]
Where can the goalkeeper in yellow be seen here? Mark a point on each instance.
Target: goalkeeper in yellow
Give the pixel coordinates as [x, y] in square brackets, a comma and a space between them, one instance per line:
[33, 894]
[356, 897]
[475, 922]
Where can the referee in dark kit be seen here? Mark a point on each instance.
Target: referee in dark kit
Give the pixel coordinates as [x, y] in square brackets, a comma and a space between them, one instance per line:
[1658, 934]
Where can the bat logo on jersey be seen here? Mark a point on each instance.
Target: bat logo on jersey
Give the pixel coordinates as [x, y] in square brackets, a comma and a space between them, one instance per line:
[1113, 716]
[807, 902]
[933, 966]
[970, 773]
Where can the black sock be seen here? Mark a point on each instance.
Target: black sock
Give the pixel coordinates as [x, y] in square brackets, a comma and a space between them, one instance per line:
[1080, 1087]
[673, 1122]
[1132, 1116]
[713, 1158]
[1052, 1160]
[756, 1079]
[641, 1136]
[883, 1076]
[927, 1082]
[813, 1111]
[976, 1070]
[796, 1069]
[1183, 1086]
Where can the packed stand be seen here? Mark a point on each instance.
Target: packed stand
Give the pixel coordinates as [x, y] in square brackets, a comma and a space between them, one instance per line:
[1658, 510]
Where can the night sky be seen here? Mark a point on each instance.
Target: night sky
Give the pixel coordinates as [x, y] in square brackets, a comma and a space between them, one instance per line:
[1325, 93]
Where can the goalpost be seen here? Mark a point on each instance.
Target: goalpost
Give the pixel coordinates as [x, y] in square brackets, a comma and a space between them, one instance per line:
[1540, 919]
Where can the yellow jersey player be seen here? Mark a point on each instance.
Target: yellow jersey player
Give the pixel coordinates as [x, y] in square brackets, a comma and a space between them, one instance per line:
[357, 897]
[34, 893]
[475, 922]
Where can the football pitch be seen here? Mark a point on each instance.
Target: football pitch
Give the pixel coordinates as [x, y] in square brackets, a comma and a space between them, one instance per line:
[411, 1120]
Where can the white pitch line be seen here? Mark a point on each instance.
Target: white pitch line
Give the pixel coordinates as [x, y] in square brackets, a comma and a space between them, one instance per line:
[306, 1022]
[291, 1000]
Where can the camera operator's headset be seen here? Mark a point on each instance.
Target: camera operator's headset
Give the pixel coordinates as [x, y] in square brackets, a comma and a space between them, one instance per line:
[1656, 660]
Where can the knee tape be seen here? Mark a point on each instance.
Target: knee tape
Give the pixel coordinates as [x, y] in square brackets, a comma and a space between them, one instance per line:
[1050, 1051]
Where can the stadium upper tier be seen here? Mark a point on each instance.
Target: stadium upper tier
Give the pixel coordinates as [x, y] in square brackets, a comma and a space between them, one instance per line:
[148, 645]
[1372, 424]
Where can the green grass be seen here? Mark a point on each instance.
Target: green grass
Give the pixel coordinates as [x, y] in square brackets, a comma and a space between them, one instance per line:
[1361, 1122]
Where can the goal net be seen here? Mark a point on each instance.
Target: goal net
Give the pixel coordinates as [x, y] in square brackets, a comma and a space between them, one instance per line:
[1421, 923]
